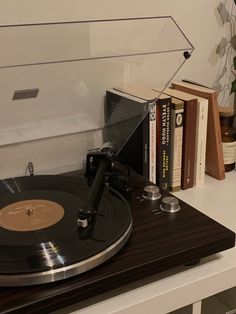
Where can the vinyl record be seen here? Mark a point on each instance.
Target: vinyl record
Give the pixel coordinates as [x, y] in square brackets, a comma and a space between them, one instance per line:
[39, 237]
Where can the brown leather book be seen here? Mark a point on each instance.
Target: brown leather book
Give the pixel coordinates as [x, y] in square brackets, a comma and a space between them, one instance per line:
[189, 136]
[214, 152]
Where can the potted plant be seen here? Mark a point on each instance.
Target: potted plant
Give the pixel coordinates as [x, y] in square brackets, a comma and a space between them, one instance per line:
[226, 49]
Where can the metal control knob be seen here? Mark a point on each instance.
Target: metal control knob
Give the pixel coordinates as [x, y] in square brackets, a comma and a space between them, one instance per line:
[151, 192]
[170, 204]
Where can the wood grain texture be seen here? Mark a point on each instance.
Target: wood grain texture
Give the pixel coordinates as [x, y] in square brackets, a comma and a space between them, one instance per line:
[158, 242]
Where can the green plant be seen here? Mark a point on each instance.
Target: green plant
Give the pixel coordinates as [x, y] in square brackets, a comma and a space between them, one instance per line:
[233, 85]
[225, 82]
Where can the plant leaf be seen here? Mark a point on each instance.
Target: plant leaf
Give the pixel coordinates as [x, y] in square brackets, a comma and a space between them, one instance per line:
[233, 87]
[217, 87]
[221, 48]
[233, 41]
[223, 12]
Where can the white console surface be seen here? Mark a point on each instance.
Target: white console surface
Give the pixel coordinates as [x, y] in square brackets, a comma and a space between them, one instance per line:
[183, 285]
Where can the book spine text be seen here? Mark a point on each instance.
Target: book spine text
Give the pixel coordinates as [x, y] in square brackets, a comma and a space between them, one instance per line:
[152, 142]
[176, 148]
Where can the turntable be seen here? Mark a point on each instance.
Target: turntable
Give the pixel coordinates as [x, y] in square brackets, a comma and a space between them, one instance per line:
[65, 237]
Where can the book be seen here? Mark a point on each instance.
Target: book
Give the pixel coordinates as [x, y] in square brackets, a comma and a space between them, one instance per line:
[149, 96]
[176, 142]
[163, 109]
[214, 151]
[189, 136]
[152, 142]
[161, 145]
[135, 152]
[200, 143]
[201, 136]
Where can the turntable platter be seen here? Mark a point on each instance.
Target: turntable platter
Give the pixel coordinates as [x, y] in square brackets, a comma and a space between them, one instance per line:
[39, 237]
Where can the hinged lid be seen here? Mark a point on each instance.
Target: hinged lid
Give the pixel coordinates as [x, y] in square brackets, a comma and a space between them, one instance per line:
[54, 76]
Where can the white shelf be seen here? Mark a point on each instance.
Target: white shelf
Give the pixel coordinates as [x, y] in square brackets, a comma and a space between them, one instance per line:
[216, 199]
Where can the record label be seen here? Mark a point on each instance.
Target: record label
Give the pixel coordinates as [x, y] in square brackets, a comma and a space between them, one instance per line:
[30, 215]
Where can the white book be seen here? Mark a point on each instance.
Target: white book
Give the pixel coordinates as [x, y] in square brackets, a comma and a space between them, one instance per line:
[201, 135]
[176, 139]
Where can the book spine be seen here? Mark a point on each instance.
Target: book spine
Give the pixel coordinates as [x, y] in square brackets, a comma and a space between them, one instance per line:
[152, 142]
[163, 143]
[201, 133]
[145, 147]
[176, 141]
[189, 140]
[214, 137]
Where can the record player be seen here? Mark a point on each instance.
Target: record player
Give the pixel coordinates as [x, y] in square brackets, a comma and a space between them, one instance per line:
[64, 237]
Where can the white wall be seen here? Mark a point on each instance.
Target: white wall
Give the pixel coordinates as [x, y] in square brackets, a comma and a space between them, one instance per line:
[198, 19]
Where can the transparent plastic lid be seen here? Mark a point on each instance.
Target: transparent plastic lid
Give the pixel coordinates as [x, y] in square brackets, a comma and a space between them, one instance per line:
[72, 65]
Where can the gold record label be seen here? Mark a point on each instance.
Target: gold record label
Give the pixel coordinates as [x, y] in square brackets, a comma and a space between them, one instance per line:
[30, 215]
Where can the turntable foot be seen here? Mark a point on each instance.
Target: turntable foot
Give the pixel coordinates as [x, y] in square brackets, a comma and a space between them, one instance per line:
[193, 263]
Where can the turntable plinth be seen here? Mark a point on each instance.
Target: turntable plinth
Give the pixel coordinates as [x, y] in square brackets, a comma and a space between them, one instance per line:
[158, 242]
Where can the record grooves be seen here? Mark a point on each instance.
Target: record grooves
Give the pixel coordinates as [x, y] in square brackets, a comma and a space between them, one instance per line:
[39, 237]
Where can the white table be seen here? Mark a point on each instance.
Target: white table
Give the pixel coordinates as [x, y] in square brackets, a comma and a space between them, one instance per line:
[180, 286]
